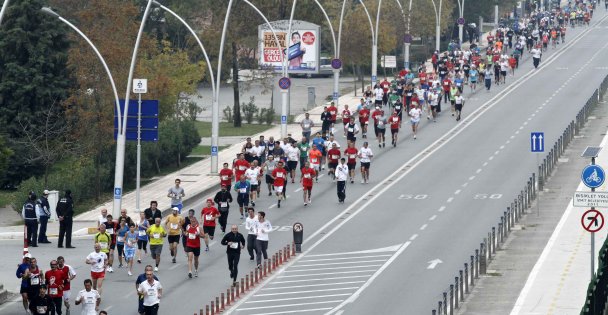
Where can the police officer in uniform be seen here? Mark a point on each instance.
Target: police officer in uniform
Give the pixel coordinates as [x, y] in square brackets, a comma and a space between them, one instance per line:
[44, 213]
[65, 213]
[28, 212]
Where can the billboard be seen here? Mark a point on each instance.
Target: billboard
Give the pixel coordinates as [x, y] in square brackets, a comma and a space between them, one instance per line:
[301, 47]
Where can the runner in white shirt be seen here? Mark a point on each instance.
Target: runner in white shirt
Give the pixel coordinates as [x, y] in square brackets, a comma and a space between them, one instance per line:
[415, 114]
[365, 155]
[250, 225]
[152, 291]
[89, 299]
[253, 175]
[459, 103]
[262, 228]
[379, 94]
[536, 54]
[293, 156]
[98, 261]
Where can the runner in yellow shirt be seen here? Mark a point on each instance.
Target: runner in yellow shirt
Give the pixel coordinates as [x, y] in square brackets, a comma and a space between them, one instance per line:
[104, 239]
[156, 233]
[174, 226]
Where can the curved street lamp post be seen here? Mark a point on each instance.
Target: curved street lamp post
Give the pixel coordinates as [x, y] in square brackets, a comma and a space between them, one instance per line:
[3, 10]
[437, 24]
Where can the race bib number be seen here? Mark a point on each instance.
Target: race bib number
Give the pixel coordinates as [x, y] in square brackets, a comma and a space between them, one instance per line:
[103, 245]
[191, 236]
[156, 235]
[223, 204]
[151, 292]
[142, 233]
[380, 124]
[335, 157]
[35, 281]
[120, 239]
[306, 126]
[314, 161]
[41, 309]
[208, 217]
[279, 175]
[224, 177]
[351, 129]
[234, 245]
[89, 300]
[110, 231]
[352, 156]
[332, 112]
[173, 226]
[367, 122]
[242, 168]
[306, 175]
[53, 291]
[395, 119]
[243, 190]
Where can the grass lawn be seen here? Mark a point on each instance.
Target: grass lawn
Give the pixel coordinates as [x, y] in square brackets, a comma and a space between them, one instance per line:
[205, 149]
[228, 130]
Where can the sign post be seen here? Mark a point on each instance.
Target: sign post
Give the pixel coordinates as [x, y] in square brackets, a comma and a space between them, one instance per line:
[140, 86]
[537, 145]
[593, 177]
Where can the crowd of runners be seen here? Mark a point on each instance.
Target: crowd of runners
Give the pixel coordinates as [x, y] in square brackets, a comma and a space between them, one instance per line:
[269, 166]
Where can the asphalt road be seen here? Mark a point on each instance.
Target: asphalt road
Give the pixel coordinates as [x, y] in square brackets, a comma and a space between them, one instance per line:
[430, 198]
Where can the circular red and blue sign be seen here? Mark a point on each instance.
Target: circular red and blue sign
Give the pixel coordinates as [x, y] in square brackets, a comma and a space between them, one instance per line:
[407, 38]
[284, 83]
[460, 21]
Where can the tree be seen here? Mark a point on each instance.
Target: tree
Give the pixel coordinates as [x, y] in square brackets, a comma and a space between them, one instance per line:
[5, 154]
[46, 141]
[33, 75]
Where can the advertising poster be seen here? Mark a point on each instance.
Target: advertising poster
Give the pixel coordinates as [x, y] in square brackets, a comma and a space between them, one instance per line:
[301, 47]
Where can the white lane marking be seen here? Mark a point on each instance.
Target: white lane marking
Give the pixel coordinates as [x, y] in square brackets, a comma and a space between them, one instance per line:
[413, 237]
[332, 268]
[450, 199]
[508, 141]
[109, 307]
[325, 274]
[287, 305]
[174, 266]
[525, 123]
[312, 285]
[517, 132]
[297, 190]
[473, 177]
[530, 117]
[521, 127]
[465, 184]
[496, 153]
[297, 298]
[339, 263]
[478, 171]
[502, 147]
[441, 208]
[272, 206]
[512, 137]
[318, 279]
[353, 297]
[485, 164]
[297, 311]
[433, 217]
[423, 226]
[491, 158]
[307, 291]
[457, 192]
[393, 248]
[352, 257]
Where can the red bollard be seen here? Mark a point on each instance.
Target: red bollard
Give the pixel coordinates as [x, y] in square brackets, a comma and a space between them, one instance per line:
[229, 294]
[207, 309]
[222, 301]
[247, 282]
[264, 265]
[214, 308]
[256, 275]
[242, 286]
[280, 256]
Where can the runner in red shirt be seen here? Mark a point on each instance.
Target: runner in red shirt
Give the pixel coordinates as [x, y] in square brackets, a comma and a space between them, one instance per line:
[226, 176]
[308, 173]
[376, 115]
[364, 119]
[208, 215]
[240, 166]
[279, 174]
[394, 121]
[193, 244]
[333, 111]
[54, 283]
[351, 160]
[345, 117]
[333, 156]
[446, 84]
[422, 77]
[70, 274]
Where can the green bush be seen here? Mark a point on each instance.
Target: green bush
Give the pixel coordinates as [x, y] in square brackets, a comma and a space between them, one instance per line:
[249, 110]
[228, 114]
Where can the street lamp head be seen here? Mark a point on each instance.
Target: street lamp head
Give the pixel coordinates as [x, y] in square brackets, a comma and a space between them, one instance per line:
[49, 11]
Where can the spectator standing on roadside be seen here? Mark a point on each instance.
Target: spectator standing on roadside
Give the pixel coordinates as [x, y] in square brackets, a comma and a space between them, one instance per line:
[30, 217]
[65, 213]
[44, 213]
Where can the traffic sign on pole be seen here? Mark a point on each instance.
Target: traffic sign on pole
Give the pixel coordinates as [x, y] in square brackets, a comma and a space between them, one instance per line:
[537, 142]
[460, 21]
[214, 150]
[117, 192]
[283, 119]
[407, 38]
[593, 176]
[597, 199]
[140, 86]
[592, 221]
[284, 83]
[336, 63]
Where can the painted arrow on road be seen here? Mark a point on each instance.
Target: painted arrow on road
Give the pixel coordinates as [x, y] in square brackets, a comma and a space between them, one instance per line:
[434, 263]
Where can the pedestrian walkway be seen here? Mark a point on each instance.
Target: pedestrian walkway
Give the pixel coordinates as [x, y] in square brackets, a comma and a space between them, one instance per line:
[316, 283]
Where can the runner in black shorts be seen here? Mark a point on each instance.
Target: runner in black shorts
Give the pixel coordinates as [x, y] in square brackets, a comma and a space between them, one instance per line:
[209, 230]
[173, 239]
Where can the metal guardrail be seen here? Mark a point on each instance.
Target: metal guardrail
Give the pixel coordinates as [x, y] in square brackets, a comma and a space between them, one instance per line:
[455, 295]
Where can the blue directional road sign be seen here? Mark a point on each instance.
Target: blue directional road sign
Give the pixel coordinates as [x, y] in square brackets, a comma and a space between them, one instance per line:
[537, 142]
[335, 95]
[149, 108]
[593, 176]
[283, 119]
[214, 150]
[149, 120]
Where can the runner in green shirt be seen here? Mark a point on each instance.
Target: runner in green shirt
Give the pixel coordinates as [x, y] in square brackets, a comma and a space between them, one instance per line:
[304, 148]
